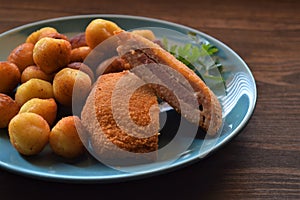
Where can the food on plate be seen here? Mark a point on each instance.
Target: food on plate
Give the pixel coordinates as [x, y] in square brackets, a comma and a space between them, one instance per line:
[51, 54]
[112, 65]
[82, 67]
[34, 71]
[137, 51]
[120, 112]
[148, 34]
[99, 30]
[28, 133]
[46, 108]
[54, 35]
[37, 35]
[8, 109]
[79, 54]
[105, 109]
[34, 88]
[63, 84]
[64, 139]
[78, 40]
[10, 77]
[22, 56]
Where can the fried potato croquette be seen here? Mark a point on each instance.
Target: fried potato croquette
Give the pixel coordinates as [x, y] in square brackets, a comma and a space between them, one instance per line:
[8, 109]
[22, 56]
[84, 68]
[29, 133]
[54, 35]
[51, 54]
[148, 34]
[34, 88]
[46, 108]
[36, 36]
[10, 77]
[34, 71]
[99, 30]
[64, 139]
[63, 84]
[79, 54]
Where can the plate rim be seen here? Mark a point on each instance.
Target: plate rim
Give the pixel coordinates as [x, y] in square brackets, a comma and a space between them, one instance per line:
[147, 173]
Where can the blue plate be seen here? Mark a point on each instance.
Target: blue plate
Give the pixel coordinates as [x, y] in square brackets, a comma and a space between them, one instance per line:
[238, 105]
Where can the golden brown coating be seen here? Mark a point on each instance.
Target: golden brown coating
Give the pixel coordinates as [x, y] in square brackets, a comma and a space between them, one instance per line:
[46, 108]
[36, 36]
[34, 71]
[10, 77]
[51, 54]
[64, 139]
[148, 34]
[64, 82]
[8, 109]
[79, 54]
[22, 56]
[28, 133]
[84, 68]
[107, 116]
[34, 88]
[137, 50]
[99, 30]
[54, 35]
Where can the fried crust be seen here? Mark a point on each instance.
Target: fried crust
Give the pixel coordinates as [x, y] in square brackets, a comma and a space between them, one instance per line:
[100, 116]
[133, 47]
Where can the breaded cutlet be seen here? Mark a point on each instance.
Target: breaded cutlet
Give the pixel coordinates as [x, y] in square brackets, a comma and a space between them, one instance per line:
[139, 51]
[119, 121]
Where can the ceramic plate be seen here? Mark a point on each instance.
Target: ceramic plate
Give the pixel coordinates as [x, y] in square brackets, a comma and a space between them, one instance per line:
[238, 105]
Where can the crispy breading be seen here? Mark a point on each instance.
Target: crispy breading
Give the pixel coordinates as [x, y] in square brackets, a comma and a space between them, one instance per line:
[107, 116]
[138, 51]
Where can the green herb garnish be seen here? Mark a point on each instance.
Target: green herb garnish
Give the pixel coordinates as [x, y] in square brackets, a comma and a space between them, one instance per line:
[200, 57]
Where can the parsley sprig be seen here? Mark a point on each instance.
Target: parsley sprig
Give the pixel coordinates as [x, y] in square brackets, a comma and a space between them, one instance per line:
[199, 56]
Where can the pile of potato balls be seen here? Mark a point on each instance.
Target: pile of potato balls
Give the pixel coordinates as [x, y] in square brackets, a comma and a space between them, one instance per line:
[37, 80]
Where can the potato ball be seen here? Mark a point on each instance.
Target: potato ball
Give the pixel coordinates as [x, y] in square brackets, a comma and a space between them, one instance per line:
[29, 133]
[34, 88]
[35, 36]
[34, 71]
[10, 77]
[79, 54]
[82, 67]
[148, 34]
[22, 56]
[63, 85]
[99, 30]
[64, 139]
[8, 109]
[51, 54]
[54, 35]
[46, 108]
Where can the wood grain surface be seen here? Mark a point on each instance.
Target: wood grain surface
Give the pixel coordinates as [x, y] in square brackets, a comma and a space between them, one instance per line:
[263, 161]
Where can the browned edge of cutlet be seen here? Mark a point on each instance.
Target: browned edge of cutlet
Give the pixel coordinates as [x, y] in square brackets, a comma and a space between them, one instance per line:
[132, 48]
[107, 137]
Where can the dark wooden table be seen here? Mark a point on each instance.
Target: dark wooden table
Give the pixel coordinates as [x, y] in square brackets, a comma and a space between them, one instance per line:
[263, 161]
